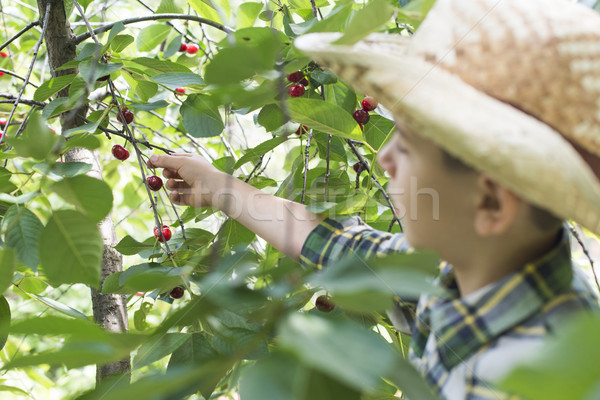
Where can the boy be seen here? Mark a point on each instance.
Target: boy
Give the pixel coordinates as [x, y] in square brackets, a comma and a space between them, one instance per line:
[497, 105]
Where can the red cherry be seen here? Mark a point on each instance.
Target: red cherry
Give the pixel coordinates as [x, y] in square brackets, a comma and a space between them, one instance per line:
[141, 294]
[295, 77]
[296, 90]
[192, 49]
[166, 232]
[302, 129]
[127, 114]
[361, 116]
[120, 152]
[154, 182]
[369, 103]
[183, 47]
[103, 78]
[177, 292]
[304, 82]
[3, 121]
[359, 167]
[180, 90]
[3, 54]
[1, 73]
[324, 304]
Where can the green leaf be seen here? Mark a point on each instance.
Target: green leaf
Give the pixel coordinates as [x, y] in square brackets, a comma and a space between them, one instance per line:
[280, 377]
[91, 70]
[143, 88]
[72, 355]
[49, 88]
[168, 7]
[52, 325]
[173, 47]
[121, 42]
[61, 170]
[378, 130]
[159, 347]
[370, 285]
[85, 3]
[4, 321]
[175, 80]
[155, 105]
[271, 117]
[71, 249]
[58, 306]
[335, 21]
[226, 68]
[325, 346]
[201, 117]
[323, 77]
[342, 95]
[324, 117]
[565, 367]
[156, 66]
[206, 10]
[150, 276]
[151, 36]
[195, 351]
[36, 141]
[85, 140]
[368, 19]
[7, 268]
[247, 13]
[23, 230]
[128, 246]
[13, 390]
[89, 195]
[55, 107]
[252, 155]
[6, 186]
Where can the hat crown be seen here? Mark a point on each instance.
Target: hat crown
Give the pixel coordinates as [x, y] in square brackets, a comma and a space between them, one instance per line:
[541, 56]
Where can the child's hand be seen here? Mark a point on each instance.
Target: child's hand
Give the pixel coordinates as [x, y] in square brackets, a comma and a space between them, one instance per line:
[191, 179]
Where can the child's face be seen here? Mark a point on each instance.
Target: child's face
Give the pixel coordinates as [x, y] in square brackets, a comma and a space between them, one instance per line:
[436, 204]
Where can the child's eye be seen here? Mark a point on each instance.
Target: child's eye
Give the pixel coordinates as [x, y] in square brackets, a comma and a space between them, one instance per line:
[401, 148]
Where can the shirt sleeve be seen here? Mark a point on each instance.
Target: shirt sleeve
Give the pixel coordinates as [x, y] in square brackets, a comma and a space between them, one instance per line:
[333, 239]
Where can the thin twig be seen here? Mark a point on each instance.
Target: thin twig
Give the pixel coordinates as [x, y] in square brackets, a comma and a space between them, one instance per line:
[306, 159]
[376, 182]
[35, 53]
[11, 73]
[260, 160]
[11, 99]
[586, 252]
[156, 17]
[141, 164]
[18, 34]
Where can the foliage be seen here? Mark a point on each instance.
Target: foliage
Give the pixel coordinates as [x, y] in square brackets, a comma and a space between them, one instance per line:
[247, 323]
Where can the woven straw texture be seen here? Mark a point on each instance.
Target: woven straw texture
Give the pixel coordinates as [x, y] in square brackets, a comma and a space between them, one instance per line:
[504, 121]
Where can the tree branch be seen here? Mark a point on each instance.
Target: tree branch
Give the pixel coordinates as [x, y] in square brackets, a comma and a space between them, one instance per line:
[35, 53]
[306, 159]
[9, 72]
[18, 34]
[156, 17]
[11, 99]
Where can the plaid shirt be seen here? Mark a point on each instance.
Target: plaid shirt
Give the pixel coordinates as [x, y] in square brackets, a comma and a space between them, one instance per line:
[462, 344]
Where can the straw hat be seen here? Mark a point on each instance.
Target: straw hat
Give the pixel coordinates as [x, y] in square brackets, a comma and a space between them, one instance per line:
[511, 87]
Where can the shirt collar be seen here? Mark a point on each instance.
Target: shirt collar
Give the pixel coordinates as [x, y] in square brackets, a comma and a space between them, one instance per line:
[461, 326]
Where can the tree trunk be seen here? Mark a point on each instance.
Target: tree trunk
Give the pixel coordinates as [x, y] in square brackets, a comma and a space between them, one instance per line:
[110, 311]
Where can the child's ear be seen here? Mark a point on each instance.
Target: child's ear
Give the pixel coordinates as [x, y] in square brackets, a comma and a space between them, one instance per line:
[496, 208]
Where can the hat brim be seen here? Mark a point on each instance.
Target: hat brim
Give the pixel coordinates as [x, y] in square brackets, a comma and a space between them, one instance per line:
[516, 150]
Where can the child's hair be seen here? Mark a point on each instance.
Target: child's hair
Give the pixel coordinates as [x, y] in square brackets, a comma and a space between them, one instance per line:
[542, 219]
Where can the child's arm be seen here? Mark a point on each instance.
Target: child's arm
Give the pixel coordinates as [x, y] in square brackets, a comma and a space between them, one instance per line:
[193, 181]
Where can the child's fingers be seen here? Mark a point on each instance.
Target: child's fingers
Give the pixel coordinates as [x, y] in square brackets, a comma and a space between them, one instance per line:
[172, 184]
[171, 174]
[173, 161]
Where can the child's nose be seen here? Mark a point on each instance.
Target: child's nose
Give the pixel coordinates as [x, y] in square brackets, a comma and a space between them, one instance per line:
[384, 158]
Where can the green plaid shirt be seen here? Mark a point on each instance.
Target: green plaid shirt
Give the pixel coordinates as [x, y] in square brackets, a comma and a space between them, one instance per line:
[462, 344]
